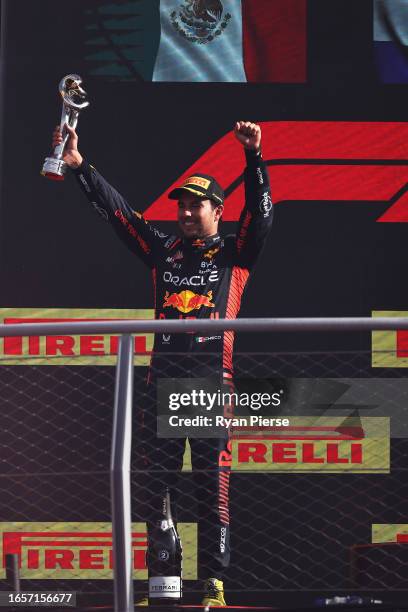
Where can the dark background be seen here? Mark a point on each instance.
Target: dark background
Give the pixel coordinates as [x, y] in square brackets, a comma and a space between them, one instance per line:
[322, 259]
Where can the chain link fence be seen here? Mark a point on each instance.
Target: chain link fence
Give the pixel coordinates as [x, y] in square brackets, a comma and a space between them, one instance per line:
[306, 514]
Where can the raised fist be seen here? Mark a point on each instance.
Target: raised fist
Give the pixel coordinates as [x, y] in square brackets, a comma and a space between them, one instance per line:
[248, 134]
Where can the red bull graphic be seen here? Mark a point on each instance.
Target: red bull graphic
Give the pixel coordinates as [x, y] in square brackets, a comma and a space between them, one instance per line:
[187, 300]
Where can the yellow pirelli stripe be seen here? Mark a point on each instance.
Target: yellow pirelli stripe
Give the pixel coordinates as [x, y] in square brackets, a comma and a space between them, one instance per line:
[82, 550]
[86, 349]
[386, 345]
[197, 180]
[388, 533]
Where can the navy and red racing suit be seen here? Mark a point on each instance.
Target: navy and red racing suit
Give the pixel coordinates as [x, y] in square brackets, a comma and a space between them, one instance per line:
[193, 278]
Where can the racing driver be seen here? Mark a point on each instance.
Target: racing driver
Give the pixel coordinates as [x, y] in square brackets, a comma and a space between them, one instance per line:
[198, 274]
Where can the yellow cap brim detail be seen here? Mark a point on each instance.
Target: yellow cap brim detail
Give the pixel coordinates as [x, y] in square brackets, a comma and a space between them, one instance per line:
[174, 195]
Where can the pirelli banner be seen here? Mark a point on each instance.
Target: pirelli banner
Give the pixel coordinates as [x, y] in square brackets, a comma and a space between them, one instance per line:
[83, 350]
[390, 348]
[82, 550]
[316, 445]
[382, 533]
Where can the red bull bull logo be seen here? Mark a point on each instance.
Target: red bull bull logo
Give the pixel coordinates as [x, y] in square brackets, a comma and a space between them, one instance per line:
[187, 300]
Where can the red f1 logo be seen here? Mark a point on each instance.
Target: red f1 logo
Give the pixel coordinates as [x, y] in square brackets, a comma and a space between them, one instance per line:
[355, 162]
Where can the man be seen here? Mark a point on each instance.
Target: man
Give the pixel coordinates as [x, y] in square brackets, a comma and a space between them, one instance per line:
[196, 275]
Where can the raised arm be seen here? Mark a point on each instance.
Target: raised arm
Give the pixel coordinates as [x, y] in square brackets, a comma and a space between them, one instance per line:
[139, 236]
[256, 217]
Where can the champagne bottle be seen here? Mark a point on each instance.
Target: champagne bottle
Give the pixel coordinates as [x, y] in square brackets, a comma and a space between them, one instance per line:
[164, 559]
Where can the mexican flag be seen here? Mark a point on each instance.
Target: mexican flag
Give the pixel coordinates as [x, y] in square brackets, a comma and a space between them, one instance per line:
[199, 40]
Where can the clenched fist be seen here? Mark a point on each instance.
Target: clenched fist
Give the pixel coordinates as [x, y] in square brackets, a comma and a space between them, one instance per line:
[248, 134]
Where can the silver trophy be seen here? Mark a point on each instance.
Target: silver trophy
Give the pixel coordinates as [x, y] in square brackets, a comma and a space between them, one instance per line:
[73, 101]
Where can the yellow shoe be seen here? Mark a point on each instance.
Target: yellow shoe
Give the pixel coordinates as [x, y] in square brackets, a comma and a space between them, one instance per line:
[142, 601]
[213, 593]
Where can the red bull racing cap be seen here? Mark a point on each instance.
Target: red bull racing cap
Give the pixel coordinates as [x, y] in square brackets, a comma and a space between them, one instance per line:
[202, 185]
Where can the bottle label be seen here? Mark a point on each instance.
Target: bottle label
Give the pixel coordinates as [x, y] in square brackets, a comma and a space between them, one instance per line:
[165, 586]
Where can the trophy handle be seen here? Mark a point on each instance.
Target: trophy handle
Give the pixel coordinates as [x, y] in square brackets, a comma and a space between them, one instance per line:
[73, 101]
[68, 116]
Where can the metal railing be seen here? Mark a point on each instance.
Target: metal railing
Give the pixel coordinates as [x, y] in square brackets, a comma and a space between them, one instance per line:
[302, 324]
[122, 423]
